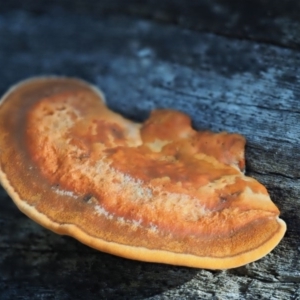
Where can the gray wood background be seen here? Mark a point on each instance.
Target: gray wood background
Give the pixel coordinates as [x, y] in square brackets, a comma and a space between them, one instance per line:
[230, 65]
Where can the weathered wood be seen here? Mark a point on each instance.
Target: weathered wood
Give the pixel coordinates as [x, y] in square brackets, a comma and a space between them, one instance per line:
[276, 22]
[223, 83]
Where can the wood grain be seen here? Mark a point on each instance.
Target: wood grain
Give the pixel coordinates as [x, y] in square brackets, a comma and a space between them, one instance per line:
[239, 83]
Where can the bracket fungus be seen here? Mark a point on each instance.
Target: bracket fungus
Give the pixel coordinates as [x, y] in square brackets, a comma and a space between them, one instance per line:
[158, 191]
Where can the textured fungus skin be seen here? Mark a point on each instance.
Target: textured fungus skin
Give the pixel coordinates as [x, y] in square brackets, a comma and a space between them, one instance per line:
[158, 191]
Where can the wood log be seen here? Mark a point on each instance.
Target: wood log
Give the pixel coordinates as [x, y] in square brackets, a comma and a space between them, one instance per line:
[224, 71]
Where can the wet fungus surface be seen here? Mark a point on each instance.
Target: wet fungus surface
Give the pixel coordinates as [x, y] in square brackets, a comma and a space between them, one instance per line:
[158, 191]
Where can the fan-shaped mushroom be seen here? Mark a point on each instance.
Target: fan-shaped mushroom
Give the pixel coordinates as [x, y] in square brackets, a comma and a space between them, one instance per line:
[158, 191]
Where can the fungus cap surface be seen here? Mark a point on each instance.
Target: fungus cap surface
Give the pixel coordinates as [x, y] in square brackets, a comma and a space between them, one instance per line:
[158, 191]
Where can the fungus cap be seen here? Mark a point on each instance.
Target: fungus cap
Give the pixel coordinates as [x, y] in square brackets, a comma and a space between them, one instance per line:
[158, 191]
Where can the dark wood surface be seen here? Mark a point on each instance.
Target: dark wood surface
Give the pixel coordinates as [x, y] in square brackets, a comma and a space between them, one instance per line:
[229, 65]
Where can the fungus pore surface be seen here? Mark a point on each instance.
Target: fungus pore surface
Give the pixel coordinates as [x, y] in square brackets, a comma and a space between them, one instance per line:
[158, 191]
